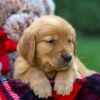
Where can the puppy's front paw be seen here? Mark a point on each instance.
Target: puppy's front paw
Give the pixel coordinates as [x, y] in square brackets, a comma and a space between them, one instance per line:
[42, 89]
[63, 87]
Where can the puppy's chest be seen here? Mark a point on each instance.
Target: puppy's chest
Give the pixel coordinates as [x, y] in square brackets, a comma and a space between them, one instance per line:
[51, 75]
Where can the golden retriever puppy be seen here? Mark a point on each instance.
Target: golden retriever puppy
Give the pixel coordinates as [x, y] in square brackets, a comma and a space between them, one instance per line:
[47, 51]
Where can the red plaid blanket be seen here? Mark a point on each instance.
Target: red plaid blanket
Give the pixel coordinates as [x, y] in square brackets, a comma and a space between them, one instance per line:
[84, 89]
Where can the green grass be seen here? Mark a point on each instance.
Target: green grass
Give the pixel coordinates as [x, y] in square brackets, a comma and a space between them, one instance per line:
[88, 50]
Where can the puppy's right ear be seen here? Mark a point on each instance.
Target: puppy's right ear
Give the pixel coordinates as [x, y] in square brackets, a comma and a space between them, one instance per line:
[26, 46]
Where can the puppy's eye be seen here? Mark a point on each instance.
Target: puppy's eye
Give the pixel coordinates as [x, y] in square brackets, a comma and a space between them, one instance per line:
[52, 41]
[69, 41]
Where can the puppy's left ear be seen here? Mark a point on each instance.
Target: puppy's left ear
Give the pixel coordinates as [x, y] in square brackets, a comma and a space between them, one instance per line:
[26, 46]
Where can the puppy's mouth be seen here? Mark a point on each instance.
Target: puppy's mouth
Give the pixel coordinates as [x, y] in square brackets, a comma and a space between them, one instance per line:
[64, 66]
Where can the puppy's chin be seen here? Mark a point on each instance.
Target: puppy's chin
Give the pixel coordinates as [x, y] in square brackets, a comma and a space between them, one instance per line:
[62, 67]
[57, 67]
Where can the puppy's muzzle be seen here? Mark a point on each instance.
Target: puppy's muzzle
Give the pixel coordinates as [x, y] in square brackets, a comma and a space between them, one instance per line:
[67, 58]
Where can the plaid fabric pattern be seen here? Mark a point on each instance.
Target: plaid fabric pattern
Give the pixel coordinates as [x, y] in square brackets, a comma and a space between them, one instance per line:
[90, 88]
[84, 89]
[11, 89]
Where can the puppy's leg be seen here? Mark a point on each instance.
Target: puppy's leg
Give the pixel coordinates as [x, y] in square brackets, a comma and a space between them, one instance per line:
[36, 79]
[64, 81]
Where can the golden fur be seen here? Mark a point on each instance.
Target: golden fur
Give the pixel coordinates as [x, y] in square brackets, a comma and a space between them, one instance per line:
[40, 57]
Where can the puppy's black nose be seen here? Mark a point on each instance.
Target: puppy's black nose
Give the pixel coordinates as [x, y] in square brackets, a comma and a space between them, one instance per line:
[66, 57]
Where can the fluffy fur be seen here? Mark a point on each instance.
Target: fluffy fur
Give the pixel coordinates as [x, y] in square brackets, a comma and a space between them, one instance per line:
[16, 15]
[40, 57]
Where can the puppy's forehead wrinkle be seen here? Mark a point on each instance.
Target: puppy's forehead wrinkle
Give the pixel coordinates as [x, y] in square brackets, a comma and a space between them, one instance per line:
[49, 37]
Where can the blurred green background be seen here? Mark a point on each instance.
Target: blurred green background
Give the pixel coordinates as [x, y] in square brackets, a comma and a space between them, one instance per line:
[84, 15]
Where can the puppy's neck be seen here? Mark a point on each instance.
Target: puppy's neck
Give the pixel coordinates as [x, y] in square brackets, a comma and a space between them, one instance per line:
[51, 75]
[49, 72]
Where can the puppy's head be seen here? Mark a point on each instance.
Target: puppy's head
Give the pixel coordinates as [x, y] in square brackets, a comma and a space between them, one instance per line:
[50, 43]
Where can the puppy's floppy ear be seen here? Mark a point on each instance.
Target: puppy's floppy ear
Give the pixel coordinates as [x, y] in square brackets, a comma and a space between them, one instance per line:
[26, 46]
